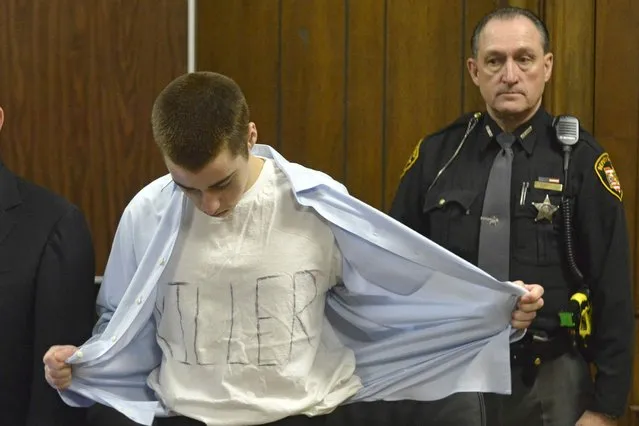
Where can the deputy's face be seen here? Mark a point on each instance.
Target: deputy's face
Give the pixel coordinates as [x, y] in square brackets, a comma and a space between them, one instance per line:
[511, 69]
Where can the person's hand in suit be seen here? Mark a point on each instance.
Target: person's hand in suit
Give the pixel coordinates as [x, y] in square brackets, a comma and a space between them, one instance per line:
[56, 371]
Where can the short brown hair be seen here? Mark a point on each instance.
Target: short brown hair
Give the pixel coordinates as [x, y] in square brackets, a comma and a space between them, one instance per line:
[197, 115]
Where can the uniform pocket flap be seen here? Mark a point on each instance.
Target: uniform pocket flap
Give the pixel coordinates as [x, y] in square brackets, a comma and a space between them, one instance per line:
[462, 197]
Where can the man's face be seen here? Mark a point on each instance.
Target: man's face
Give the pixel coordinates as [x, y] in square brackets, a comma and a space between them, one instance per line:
[511, 69]
[218, 187]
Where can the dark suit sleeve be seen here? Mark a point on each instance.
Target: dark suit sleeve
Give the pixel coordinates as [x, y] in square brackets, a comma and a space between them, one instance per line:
[64, 312]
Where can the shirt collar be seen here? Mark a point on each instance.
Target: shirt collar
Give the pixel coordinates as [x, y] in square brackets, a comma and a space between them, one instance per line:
[526, 134]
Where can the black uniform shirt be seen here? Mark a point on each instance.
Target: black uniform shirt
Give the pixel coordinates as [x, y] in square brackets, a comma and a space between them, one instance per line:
[449, 214]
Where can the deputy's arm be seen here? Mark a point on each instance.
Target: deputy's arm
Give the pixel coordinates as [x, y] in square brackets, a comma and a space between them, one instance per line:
[602, 241]
[409, 198]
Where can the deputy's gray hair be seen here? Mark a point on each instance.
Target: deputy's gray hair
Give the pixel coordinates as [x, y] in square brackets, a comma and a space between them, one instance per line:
[510, 13]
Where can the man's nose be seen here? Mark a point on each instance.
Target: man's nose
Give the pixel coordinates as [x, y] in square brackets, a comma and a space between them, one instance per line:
[210, 203]
[509, 75]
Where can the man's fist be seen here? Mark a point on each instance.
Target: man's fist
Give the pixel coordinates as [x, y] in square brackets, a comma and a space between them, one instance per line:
[528, 305]
[56, 371]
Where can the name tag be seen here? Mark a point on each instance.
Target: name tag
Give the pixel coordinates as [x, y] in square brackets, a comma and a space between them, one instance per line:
[550, 184]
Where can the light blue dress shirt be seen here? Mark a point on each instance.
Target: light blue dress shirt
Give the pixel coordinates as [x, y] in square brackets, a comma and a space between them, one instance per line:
[422, 322]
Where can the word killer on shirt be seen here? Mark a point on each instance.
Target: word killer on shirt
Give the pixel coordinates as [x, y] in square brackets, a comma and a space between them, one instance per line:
[262, 324]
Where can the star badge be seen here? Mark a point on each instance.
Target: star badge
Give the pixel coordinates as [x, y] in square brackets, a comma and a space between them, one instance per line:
[545, 210]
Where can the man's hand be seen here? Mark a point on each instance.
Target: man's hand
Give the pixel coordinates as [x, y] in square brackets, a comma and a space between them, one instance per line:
[528, 305]
[56, 371]
[590, 418]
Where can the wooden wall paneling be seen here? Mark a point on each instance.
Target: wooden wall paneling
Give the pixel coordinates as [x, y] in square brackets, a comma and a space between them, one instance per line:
[617, 94]
[572, 34]
[312, 84]
[241, 39]
[616, 111]
[365, 67]
[423, 78]
[474, 11]
[77, 83]
[533, 5]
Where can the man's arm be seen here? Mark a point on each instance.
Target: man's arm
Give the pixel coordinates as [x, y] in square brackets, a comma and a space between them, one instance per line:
[119, 271]
[64, 311]
[602, 241]
[408, 201]
[120, 268]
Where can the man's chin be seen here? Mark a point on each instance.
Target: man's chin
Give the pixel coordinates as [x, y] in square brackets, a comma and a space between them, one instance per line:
[222, 214]
[511, 109]
[515, 106]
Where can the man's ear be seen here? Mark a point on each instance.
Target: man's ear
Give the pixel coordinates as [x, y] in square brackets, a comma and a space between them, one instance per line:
[548, 62]
[1, 118]
[473, 70]
[252, 139]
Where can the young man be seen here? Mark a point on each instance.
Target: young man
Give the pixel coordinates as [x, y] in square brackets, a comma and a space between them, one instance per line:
[48, 294]
[222, 295]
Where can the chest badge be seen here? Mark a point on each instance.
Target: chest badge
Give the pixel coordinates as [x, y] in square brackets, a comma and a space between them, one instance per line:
[545, 210]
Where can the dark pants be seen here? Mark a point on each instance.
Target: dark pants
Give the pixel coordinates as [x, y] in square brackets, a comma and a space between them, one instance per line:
[457, 410]
[558, 397]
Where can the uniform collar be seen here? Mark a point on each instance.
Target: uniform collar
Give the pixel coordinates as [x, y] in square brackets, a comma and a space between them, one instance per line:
[526, 134]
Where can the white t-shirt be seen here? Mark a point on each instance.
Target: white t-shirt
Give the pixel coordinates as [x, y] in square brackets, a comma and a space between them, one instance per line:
[240, 313]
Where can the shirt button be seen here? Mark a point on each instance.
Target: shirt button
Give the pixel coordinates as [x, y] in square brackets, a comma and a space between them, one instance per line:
[113, 339]
[442, 201]
[79, 354]
[162, 262]
[139, 301]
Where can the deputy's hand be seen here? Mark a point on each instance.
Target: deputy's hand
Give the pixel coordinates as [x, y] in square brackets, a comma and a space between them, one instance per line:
[527, 305]
[56, 371]
[590, 418]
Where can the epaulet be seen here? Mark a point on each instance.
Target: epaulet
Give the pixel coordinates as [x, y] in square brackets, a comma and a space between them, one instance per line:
[589, 139]
[461, 122]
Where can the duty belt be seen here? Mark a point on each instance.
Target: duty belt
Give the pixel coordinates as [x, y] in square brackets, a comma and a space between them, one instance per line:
[535, 349]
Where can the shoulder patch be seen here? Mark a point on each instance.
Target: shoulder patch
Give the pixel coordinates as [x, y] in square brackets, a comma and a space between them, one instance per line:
[413, 158]
[608, 175]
